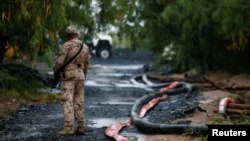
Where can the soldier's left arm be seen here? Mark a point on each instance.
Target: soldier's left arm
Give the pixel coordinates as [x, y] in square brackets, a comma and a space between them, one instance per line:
[61, 57]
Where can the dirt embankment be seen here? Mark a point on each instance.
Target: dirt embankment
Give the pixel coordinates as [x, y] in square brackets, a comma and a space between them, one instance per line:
[8, 105]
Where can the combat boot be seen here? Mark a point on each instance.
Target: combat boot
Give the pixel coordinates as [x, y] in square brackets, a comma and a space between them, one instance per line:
[80, 129]
[67, 131]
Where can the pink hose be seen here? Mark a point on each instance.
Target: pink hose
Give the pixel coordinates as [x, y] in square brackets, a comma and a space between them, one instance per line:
[224, 103]
[114, 129]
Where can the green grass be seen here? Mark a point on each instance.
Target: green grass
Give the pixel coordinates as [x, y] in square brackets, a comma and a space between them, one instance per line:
[242, 119]
[204, 138]
[193, 132]
[22, 86]
[217, 119]
[28, 95]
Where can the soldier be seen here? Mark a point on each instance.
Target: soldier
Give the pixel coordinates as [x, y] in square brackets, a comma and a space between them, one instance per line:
[72, 81]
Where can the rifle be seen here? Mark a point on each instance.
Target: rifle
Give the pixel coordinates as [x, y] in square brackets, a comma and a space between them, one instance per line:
[56, 78]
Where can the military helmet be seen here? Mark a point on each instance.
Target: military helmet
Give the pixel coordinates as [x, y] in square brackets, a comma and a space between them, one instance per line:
[71, 30]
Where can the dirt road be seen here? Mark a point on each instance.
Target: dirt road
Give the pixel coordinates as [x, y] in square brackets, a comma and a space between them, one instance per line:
[109, 97]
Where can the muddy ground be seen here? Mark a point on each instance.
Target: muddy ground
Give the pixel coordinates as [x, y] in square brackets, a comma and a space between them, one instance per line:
[109, 97]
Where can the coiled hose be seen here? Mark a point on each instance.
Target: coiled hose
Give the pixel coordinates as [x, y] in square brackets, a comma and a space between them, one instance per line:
[149, 127]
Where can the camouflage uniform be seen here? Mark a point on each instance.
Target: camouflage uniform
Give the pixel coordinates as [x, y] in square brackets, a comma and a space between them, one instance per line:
[72, 83]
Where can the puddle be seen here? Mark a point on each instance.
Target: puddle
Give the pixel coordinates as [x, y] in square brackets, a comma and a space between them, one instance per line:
[104, 122]
[50, 72]
[116, 101]
[49, 90]
[54, 116]
[126, 67]
[94, 83]
[114, 84]
[114, 74]
[132, 86]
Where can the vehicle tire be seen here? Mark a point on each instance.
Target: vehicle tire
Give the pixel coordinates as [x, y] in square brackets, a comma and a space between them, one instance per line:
[104, 53]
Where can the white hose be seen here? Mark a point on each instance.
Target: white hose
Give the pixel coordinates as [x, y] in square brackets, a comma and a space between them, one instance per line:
[223, 104]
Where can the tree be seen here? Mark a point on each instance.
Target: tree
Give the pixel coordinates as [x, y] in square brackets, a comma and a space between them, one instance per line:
[232, 17]
[33, 25]
[124, 16]
[154, 28]
[206, 34]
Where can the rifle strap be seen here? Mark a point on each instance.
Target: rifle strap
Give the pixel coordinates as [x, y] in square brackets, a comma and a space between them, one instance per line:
[64, 65]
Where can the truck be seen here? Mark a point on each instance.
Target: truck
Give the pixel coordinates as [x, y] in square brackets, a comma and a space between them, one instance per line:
[102, 49]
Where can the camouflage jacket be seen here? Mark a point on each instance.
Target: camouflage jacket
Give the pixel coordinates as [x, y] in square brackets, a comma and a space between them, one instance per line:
[77, 69]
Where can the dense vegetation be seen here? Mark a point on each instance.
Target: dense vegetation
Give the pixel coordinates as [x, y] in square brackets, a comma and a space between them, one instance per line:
[18, 80]
[33, 26]
[206, 35]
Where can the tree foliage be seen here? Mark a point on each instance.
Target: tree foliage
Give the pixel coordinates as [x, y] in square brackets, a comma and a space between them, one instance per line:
[233, 22]
[27, 23]
[33, 25]
[124, 16]
[206, 34]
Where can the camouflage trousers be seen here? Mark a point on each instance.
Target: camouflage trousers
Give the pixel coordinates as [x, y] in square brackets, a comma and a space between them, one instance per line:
[72, 100]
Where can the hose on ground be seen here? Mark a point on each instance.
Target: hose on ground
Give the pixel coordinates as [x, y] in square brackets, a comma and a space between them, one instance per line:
[150, 127]
[147, 83]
